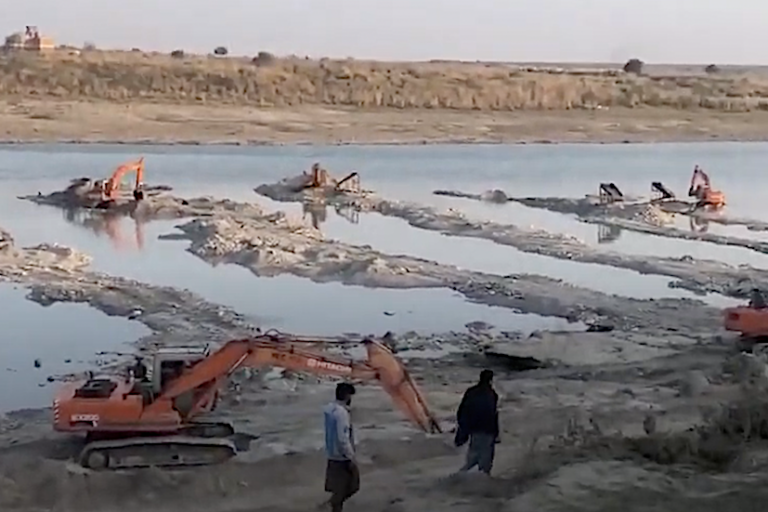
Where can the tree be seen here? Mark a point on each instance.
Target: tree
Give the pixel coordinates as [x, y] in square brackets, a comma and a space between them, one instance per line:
[712, 69]
[634, 66]
[264, 59]
[221, 51]
[177, 54]
[89, 46]
[14, 41]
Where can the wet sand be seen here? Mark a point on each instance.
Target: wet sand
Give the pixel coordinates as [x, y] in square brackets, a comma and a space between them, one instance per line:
[35, 121]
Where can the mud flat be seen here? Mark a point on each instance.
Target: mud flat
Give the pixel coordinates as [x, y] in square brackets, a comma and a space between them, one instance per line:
[78, 195]
[700, 276]
[268, 248]
[60, 274]
[226, 231]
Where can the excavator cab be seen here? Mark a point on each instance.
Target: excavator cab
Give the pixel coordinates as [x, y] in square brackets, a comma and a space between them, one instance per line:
[168, 364]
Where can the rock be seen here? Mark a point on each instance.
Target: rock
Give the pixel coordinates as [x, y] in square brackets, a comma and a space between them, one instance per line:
[479, 325]
[495, 196]
[600, 328]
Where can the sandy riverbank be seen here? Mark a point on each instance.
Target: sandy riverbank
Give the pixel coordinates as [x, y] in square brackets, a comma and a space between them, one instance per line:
[126, 97]
[35, 121]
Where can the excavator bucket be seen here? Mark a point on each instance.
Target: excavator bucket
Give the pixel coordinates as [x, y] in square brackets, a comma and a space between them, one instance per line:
[610, 193]
[396, 381]
[660, 192]
[350, 183]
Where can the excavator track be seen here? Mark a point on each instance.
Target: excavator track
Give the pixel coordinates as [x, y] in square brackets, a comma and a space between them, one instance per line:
[208, 429]
[168, 451]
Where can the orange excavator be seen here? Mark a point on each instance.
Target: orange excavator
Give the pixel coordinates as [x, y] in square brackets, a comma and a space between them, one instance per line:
[701, 189]
[150, 418]
[750, 321]
[111, 188]
[321, 178]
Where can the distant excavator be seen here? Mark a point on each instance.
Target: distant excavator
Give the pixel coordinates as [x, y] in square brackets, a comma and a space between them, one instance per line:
[660, 192]
[151, 418]
[610, 193]
[319, 178]
[110, 189]
[701, 189]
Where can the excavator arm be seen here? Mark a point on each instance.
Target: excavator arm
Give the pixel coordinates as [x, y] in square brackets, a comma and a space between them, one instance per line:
[286, 352]
[698, 178]
[113, 184]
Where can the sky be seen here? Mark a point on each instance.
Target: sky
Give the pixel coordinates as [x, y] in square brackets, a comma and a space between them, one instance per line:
[656, 31]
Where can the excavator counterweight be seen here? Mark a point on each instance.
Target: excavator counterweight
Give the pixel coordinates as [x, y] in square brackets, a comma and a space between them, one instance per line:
[150, 418]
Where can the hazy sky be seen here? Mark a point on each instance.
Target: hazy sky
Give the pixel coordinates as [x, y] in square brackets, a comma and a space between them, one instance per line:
[667, 31]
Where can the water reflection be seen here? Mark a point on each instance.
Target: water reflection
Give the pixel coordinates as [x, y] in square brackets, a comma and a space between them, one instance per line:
[698, 225]
[607, 234]
[318, 213]
[109, 224]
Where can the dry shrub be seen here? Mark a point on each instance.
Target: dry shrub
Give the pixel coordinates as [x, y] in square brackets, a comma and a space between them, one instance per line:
[264, 59]
[716, 444]
[634, 66]
[132, 75]
[712, 69]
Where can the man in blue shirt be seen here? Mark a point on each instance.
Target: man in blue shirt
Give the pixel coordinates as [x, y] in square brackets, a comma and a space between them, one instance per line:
[342, 478]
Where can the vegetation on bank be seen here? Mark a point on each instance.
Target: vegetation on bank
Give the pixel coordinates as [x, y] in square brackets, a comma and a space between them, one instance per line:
[269, 81]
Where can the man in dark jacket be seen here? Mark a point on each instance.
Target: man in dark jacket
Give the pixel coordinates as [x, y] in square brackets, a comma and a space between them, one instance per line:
[478, 423]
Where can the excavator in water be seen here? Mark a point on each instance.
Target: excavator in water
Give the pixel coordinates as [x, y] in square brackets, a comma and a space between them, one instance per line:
[110, 189]
[319, 178]
[701, 189]
[150, 417]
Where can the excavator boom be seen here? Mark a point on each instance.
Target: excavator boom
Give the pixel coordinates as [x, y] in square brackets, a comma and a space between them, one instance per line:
[113, 183]
[186, 385]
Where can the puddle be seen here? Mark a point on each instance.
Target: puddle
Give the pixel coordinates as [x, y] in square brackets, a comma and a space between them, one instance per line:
[286, 302]
[54, 335]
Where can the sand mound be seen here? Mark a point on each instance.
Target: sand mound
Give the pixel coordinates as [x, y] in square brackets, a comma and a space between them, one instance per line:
[654, 215]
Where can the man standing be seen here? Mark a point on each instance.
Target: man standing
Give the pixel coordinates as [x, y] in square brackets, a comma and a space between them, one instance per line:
[342, 478]
[478, 423]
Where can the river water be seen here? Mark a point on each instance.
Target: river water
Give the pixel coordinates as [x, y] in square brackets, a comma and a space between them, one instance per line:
[407, 172]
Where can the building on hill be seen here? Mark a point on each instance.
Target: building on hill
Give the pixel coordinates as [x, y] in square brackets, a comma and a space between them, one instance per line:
[30, 40]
